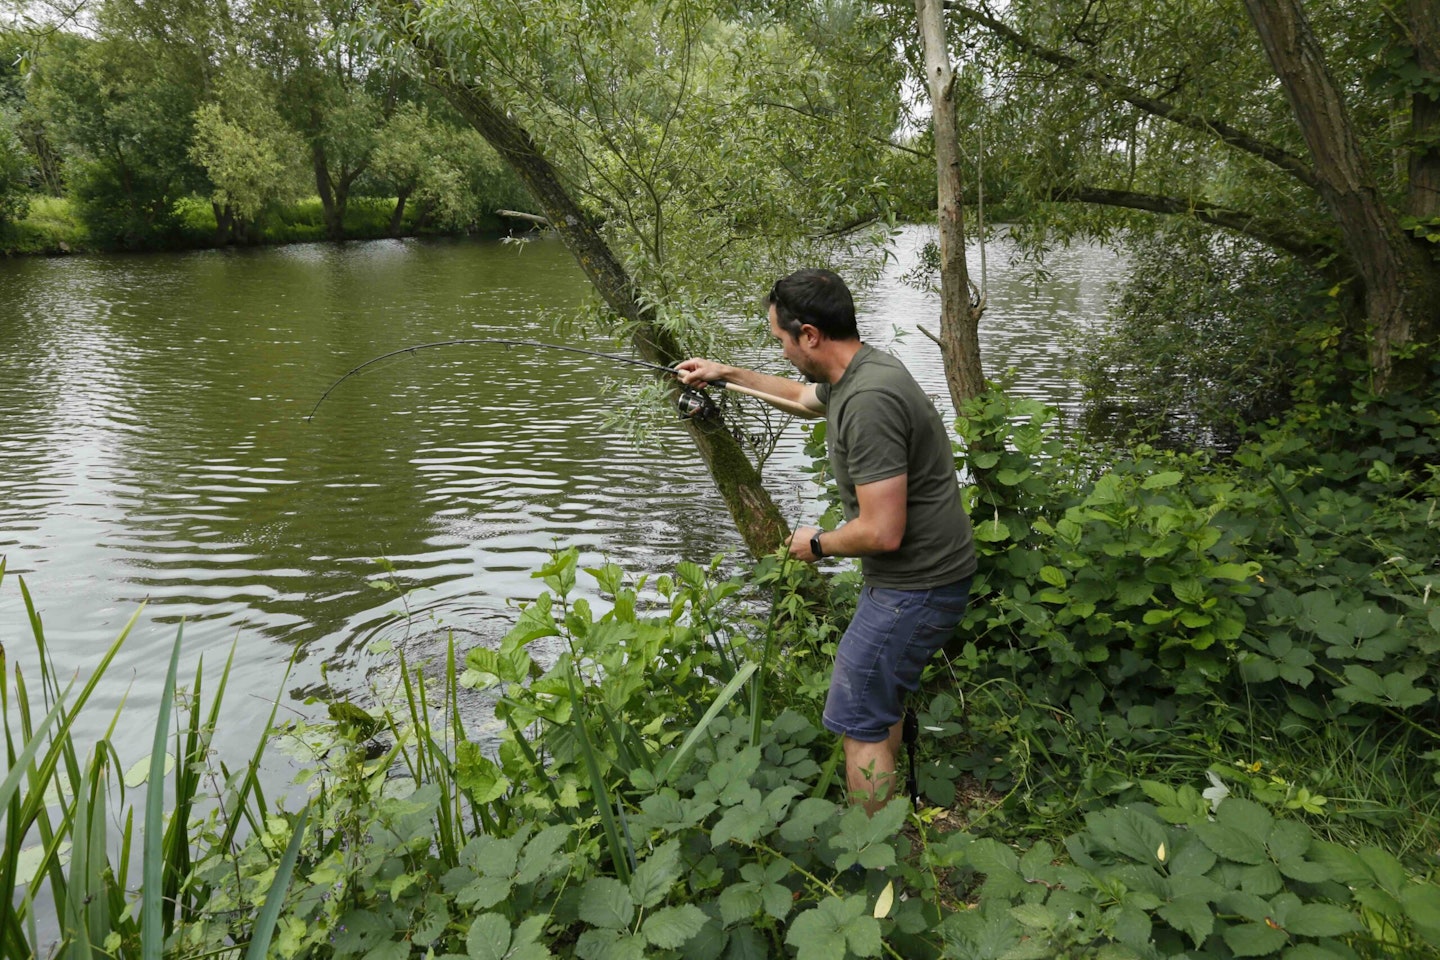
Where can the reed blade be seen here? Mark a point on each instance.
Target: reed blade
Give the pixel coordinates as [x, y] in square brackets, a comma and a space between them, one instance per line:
[676, 761]
[152, 870]
[275, 898]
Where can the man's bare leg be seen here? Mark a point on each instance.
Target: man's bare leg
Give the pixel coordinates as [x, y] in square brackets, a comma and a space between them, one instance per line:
[870, 768]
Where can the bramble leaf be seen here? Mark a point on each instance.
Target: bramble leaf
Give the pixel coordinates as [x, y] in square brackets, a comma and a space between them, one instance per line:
[1254, 939]
[489, 937]
[671, 927]
[605, 902]
[1192, 916]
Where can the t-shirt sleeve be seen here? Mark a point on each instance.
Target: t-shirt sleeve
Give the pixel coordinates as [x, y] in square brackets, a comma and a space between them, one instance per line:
[822, 393]
[875, 437]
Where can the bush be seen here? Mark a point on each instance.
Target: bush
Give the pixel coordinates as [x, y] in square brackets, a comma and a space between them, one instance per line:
[1203, 339]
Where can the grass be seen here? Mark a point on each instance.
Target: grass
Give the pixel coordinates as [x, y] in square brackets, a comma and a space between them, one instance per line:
[49, 227]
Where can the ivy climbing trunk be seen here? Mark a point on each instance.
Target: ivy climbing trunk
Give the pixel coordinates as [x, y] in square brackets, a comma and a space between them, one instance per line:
[959, 338]
[1401, 282]
[755, 513]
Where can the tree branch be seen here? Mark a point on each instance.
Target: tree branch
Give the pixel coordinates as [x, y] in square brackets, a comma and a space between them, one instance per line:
[810, 115]
[1305, 248]
[1288, 162]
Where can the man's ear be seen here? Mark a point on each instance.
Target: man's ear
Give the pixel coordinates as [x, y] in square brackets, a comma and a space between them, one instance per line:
[811, 335]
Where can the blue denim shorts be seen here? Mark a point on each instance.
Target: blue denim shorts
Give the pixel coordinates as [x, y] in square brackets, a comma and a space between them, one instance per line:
[882, 653]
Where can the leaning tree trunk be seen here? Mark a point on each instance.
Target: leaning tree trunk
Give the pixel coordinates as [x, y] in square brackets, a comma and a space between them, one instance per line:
[754, 512]
[959, 338]
[1401, 283]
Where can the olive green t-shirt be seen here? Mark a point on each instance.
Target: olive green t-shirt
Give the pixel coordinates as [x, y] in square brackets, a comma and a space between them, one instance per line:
[880, 425]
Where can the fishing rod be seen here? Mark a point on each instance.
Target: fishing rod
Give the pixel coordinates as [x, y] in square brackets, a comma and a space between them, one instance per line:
[693, 404]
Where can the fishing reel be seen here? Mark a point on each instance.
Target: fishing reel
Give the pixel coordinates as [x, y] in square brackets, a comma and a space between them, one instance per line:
[695, 404]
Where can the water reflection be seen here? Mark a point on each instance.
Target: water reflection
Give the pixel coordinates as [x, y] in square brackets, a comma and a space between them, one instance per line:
[154, 447]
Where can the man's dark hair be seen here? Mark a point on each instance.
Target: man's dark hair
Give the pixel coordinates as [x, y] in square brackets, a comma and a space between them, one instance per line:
[817, 297]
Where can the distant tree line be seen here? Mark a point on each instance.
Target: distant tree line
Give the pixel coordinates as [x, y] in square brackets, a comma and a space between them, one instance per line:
[246, 108]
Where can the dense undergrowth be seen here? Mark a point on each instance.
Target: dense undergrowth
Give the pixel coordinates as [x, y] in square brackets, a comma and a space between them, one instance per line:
[1192, 713]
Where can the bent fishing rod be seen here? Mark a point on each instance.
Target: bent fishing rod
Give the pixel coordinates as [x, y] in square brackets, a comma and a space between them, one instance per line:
[693, 404]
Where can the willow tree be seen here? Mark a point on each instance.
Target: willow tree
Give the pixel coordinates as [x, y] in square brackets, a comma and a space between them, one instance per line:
[1310, 128]
[685, 157]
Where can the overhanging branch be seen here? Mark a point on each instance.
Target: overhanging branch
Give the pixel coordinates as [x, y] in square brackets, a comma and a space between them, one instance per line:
[1132, 95]
[1303, 247]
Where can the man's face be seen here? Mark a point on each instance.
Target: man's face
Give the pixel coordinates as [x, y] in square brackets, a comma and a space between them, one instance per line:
[791, 346]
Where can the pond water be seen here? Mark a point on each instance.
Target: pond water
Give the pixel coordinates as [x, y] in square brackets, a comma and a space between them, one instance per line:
[154, 450]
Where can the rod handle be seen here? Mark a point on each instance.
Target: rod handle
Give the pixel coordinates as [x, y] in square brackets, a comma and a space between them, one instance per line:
[789, 406]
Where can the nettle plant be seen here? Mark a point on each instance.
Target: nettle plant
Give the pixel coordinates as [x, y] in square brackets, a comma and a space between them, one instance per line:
[1182, 878]
[1301, 571]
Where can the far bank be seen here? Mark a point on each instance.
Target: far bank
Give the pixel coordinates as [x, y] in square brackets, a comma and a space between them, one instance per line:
[54, 227]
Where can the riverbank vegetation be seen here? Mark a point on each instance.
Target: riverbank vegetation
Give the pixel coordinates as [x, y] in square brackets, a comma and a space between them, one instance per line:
[127, 127]
[1191, 712]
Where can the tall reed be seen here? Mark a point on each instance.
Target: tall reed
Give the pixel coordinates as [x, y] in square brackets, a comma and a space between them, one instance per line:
[61, 848]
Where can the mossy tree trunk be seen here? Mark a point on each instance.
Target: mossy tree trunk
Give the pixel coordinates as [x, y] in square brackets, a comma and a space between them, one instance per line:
[1401, 281]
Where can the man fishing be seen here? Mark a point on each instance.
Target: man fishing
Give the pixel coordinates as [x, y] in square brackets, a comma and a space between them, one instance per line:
[891, 456]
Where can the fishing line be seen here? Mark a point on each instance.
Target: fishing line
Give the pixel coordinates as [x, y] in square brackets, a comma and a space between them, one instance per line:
[692, 402]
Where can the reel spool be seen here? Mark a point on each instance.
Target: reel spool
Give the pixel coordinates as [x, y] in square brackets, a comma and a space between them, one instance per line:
[695, 404]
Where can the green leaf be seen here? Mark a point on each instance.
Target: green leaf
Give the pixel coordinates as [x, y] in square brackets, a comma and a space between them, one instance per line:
[541, 854]
[1136, 835]
[862, 838]
[990, 856]
[1133, 926]
[535, 621]
[609, 945]
[478, 775]
[1261, 879]
[670, 927]
[824, 932]
[1422, 905]
[654, 877]
[489, 937]
[1315, 951]
[739, 901]
[1246, 816]
[807, 815]
[1288, 839]
[1158, 480]
[483, 892]
[1230, 843]
[433, 921]
[605, 902]
[1192, 916]
[264, 927]
[1254, 939]
[991, 531]
[1306, 871]
[1342, 863]
[1320, 920]
[742, 823]
[1037, 916]
[1388, 872]
[152, 864]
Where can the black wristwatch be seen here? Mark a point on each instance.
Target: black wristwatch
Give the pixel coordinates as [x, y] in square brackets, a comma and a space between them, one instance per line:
[815, 545]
